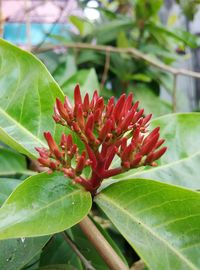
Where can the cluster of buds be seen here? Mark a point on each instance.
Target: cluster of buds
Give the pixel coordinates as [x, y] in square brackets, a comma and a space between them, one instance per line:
[116, 129]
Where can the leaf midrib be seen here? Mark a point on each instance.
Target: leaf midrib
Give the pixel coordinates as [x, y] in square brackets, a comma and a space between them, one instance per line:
[135, 220]
[21, 127]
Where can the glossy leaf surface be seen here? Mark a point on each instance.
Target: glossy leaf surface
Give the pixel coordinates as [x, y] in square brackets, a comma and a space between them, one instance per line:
[7, 185]
[160, 221]
[43, 204]
[15, 253]
[27, 96]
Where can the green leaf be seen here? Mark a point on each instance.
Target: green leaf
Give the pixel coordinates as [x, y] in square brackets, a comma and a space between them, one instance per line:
[87, 79]
[65, 69]
[139, 77]
[109, 31]
[15, 253]
[7, 185]
[161, 222]
[57, 267]
[151, 102]
[122, 41]
[180, 164]
[28, 94]
[43, 204]
[84, 27]
[12, 163]
[177, 34]
[58, 251]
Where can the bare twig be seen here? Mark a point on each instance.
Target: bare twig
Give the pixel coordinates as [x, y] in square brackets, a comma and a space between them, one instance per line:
[86, 263]
[102, 246]
[106, 69]
[132, 51]
[174, 93]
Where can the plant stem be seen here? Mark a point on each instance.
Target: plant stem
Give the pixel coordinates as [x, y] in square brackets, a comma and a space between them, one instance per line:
[106, 69]
[86, 263]
[174, 93]
[102, 246]
[135, 53]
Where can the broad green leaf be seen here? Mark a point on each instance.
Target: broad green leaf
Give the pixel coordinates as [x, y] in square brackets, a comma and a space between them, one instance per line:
[12, 163]
[27, 97]
[15, 253]
[87, 79]
[161, 222]
[57, 267]
[43, 204]
[180, 164]
[7, 185]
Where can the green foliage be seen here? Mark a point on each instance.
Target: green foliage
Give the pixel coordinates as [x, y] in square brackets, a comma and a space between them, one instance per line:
[180, 164]
[152, 218]
[29, 210]
[24, 111]
[130, 24]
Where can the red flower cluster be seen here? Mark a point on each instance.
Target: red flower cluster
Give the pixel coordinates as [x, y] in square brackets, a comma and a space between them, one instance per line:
[107, 131]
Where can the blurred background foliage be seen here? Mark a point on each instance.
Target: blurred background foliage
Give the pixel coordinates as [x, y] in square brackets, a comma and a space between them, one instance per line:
[122, 24]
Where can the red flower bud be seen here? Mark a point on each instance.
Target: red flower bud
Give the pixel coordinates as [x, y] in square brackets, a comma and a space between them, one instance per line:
[62, 111]
[80, 118]
[105, 130]
[155, 155]
[94, 99]
[77, 98]
[110, 107]
[86, 103]
[111, 154]
[52, 144]
[150, 144]
[119, 107]
[128, 103]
